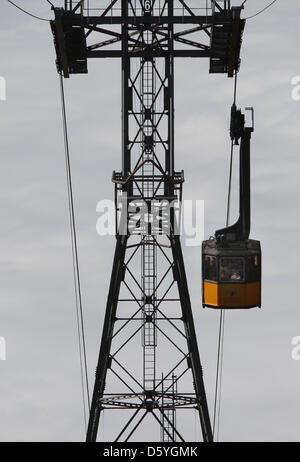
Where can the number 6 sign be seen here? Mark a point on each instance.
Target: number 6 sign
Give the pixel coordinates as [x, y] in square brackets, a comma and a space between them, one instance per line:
[147, 5]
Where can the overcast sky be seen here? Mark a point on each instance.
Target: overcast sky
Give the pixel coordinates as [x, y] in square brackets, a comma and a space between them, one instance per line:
[40, 394]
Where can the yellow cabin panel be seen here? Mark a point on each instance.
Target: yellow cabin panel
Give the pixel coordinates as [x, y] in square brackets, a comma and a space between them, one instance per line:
[253, 294]
[231, 295]
[210, 293]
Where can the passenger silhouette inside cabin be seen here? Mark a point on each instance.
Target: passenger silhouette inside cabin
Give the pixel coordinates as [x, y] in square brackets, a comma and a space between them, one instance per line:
[231, 269]
[235, 276]
[210, 268]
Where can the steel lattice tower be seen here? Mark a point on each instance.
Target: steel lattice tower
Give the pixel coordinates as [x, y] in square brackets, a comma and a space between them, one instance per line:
[149, 362]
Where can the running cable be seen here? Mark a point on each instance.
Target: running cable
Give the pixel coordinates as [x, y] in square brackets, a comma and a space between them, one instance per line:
[219, 372]
[77, 285]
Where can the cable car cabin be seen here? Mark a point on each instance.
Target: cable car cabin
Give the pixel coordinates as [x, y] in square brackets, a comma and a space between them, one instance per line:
[231, 262]
[231, 275]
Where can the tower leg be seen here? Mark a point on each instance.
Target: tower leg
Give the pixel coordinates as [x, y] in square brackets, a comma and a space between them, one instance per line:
[104, 360]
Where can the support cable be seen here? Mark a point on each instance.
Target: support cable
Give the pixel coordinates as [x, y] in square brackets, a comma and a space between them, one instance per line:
[219, 372]
[27, 12]
[261, 11]
[77, 285]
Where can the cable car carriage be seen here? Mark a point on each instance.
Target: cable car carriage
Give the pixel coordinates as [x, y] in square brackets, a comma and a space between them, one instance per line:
[231, 262]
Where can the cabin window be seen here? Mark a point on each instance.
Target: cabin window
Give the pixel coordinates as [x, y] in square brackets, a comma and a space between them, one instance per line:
[210, 268]
[253, 268]
[232, 269]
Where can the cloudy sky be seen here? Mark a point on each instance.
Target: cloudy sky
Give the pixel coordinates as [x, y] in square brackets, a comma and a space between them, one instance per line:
[40, 393]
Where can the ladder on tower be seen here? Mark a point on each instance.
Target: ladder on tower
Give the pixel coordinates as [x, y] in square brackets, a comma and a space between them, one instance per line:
[148, 247]
[168, 415]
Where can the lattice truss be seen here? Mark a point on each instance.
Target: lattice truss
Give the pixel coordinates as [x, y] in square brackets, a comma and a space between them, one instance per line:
[149, 313]
[195, 38]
